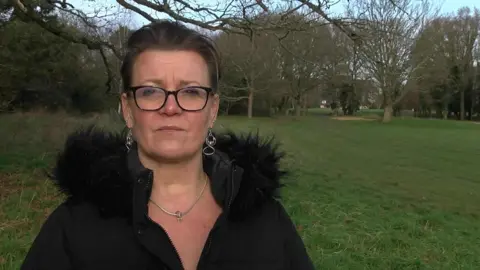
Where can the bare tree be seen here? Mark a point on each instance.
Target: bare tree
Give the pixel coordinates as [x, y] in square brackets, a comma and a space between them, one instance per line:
[446, 51]
[432, 75]
[251, 60]
[304, 61]
[387, 35]
[229, 16]
[476, 77]
[345, 66]
[466, 27]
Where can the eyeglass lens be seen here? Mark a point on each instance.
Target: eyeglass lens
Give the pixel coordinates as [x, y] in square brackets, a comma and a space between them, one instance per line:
[153, 98]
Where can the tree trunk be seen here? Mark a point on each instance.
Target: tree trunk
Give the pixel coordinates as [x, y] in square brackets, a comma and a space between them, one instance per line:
[387, 113]
[462, 104]
[445, 111]
[227, 108]
[305, 106]
[250, 103]
[298, 107]
[251, 79]
[472, 100]
[387, 107]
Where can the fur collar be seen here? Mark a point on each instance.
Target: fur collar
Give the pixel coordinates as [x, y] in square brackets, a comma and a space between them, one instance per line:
[93, 167]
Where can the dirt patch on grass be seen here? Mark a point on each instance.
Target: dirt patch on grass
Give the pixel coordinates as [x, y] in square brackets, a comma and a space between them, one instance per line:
[352, 118]
[9, 184]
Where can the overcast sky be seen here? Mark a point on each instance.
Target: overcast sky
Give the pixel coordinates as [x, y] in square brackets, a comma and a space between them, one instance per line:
[448, 6]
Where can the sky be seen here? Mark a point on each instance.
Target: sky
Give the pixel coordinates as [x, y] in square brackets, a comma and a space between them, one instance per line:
[448, 6]
[453, 5]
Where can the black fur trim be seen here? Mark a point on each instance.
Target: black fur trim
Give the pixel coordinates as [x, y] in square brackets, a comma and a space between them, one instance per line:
[259, 159]
[93, 168]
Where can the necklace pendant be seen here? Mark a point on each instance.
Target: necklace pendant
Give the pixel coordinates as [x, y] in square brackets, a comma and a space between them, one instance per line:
[179, 216]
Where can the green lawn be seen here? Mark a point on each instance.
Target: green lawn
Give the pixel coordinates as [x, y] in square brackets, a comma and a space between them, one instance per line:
[365, 195]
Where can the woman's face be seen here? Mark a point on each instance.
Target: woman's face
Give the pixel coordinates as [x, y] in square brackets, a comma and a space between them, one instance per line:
[169, 133]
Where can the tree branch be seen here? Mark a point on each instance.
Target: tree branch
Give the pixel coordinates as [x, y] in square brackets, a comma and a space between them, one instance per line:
[108, 83]
[91, 44]
[165, 8]
[135, 9]
[318, 9]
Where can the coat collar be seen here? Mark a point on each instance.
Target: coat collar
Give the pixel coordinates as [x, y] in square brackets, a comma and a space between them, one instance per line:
[95, 167]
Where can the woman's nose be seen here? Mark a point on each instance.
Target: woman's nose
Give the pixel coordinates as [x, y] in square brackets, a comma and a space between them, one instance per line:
[171, 106]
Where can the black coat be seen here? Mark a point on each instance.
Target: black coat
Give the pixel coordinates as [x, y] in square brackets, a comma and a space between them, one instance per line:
[103, 223]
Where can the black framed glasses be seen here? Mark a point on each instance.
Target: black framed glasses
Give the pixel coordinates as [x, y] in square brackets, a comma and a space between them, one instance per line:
[152, 98]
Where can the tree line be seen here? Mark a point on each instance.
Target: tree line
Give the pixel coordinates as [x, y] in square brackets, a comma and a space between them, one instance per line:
[394, 55]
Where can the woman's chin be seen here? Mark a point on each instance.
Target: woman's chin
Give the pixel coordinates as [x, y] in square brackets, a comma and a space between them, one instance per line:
[173, 152]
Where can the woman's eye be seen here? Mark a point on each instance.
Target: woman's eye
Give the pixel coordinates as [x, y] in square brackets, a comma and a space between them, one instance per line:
[193, 91]
[147, 91]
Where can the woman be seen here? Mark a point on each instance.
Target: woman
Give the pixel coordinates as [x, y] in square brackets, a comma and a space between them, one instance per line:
[170, 195]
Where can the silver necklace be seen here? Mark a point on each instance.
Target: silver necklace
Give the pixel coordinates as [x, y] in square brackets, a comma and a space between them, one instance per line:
[178, 214]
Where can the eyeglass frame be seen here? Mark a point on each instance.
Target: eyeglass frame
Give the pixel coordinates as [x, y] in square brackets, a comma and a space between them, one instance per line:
[134, 89]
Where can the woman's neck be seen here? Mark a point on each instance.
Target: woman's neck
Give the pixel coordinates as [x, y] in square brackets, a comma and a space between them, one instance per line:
[176, 180]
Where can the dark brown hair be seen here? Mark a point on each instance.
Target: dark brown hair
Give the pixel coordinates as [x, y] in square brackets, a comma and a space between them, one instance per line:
[169, 35]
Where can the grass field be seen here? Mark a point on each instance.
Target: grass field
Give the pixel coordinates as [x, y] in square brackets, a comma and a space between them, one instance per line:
[365, 195]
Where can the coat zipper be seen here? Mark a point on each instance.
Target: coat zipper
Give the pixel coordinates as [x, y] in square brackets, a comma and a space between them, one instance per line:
[170, 240]
[209, 239]
[232, 182]
[163, 230]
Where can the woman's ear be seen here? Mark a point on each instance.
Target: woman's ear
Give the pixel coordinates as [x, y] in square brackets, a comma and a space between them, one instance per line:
[126, 110]
[214, 110]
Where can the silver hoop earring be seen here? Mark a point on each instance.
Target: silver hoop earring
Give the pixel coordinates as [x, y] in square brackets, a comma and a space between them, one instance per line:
[210, 141]
[129, 140]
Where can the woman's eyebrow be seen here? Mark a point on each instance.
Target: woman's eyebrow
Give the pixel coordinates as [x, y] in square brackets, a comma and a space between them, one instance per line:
[181, 83]
[186, 82]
